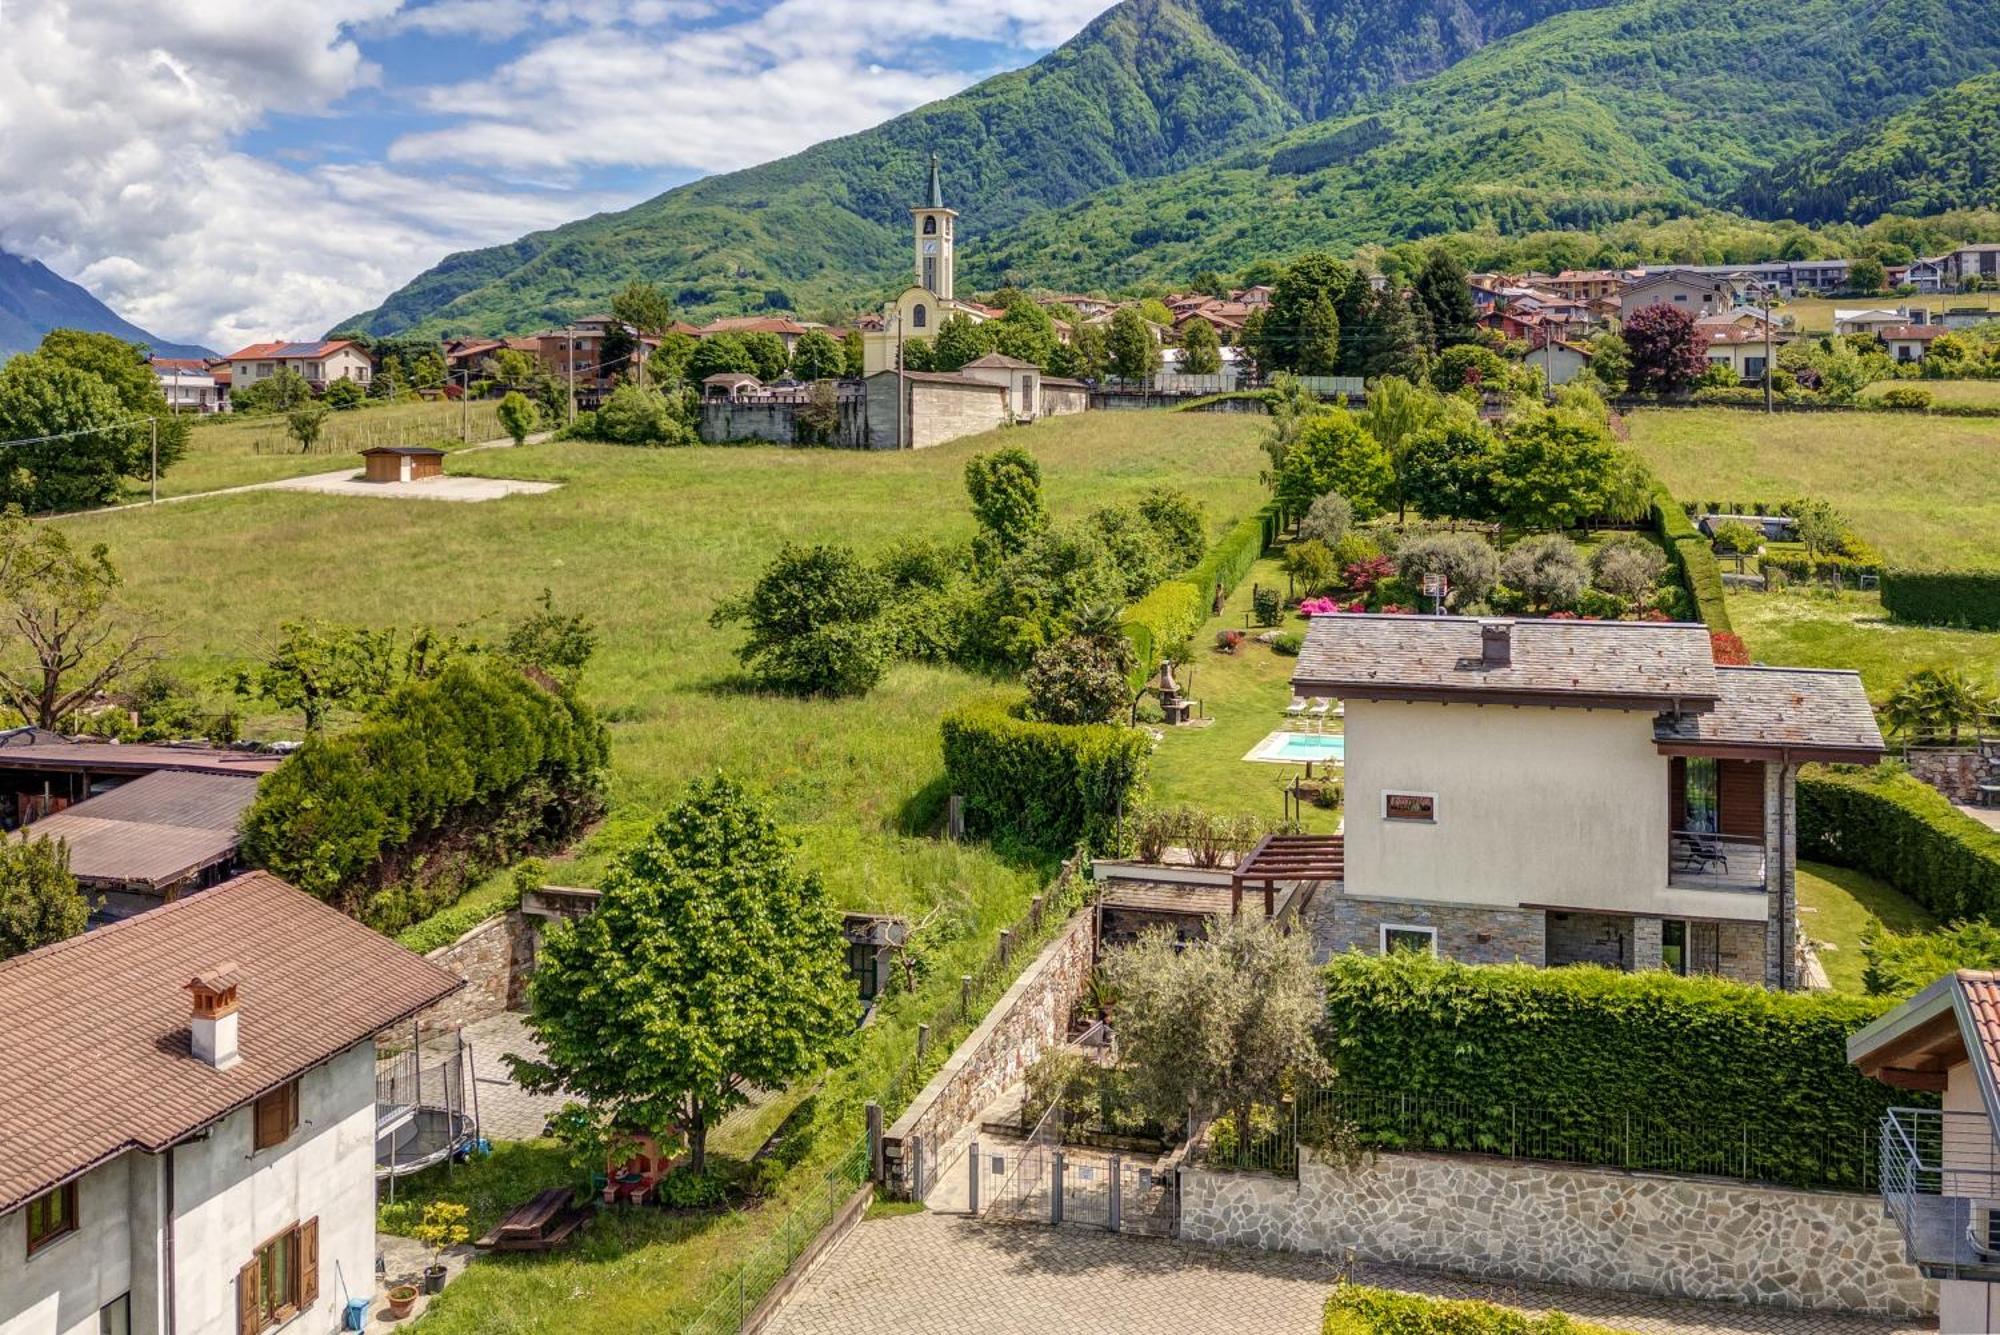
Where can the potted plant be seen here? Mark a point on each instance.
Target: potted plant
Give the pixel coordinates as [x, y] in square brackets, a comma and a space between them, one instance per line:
[401, 1298]
[443, 1226]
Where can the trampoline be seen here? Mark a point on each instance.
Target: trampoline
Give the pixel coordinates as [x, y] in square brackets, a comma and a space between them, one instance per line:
[426, 1107]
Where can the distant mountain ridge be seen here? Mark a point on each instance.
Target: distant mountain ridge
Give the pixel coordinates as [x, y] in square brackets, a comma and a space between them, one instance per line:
[1148, 87]
[35, 299]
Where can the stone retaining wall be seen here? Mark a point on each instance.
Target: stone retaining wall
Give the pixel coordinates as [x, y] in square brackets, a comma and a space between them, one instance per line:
[1596, 1228]
[1031, 1017]
[494, 959]
[1956, 774]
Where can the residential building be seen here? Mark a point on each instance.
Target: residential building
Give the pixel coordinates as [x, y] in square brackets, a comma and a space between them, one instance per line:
[1561, 360]
[1022, 381]
[916, 313]
[1958, 268]
[319, 363]
[1924, 275]
[1874, 319]
[1256, 298]
[1967, 317]
[1565, 791]
[43, 772]
[1587, 284]
[190, 386]
[1686, 289]
[788, 330]
[189, 1100]
[1909, 342]
[1741, 317]
[1747, 352]
[1940, 1167]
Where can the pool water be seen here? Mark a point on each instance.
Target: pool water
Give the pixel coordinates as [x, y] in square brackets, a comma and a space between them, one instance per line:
[1311, 746]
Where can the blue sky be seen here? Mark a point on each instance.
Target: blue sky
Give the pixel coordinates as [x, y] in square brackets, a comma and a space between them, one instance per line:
[230, 170]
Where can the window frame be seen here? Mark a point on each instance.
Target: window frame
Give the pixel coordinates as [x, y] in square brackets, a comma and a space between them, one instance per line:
[1388, 793]
[1382, 931]
[288, 1108]
[38, 1242]
[270, 1315]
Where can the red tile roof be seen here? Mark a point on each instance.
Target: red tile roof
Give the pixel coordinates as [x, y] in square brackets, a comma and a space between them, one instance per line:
[1919, 332]
[752, 324]
[1981, 989]
[97, 1057]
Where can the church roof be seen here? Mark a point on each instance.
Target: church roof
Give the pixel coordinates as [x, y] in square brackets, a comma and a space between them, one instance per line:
[937, 186]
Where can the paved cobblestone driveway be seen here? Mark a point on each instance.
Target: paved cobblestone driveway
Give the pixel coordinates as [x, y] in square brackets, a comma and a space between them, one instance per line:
[946, 1275]
[506, 1111]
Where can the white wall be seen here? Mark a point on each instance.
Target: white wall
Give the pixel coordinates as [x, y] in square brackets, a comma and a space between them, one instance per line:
[1562, 807]
[229, 1200]
[58, 1290]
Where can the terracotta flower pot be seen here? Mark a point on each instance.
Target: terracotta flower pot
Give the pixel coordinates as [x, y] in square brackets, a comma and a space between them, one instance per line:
[400, 1299]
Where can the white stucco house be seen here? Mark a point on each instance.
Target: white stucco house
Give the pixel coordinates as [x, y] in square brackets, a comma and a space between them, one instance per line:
[187, 1108]
[1940, 1167]
[1563, 791]
[321, 363]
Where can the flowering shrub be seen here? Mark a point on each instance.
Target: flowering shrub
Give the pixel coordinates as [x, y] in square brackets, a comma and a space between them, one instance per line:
[1363, 576]
[1729, 648]
[1319, 607]
[1227, 640]
[1395, 609]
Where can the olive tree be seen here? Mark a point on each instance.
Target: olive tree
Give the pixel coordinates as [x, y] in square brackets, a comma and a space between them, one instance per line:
[1548, 569]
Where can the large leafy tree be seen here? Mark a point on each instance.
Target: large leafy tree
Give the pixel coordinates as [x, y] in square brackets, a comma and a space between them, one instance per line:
[817, 357]
[1130, 346]
[1201, 351]
[319, 666]
[1938, 703]
[1397, 412]
[1666, 349]
[1026, 331]
[1444, 296]
[959, 340]
[1301, 329]
[1554, 470]
[767, 350]
[123, 366]
[719, 353]
[815, 622]
[39, 901]
[1334, 452]
[518, 416]
[70, 641]
[1006, 490]
[714, 963]
[94, 440]
[1447, 470]
[1386, 339]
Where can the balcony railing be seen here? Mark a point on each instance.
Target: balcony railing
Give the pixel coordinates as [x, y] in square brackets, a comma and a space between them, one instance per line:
[1941, 1183]
[1697, 860]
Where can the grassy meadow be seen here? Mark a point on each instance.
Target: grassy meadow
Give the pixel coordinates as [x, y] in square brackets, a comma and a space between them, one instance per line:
[1968, 393]
[1804, 627]
[645, 542]
[1838, 907]
[1923, 490]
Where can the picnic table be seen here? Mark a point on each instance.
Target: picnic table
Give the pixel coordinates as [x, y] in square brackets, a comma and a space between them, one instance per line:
[542, 1224]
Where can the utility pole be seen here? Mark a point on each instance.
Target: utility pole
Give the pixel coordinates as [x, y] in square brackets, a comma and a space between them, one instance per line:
[464, 406]
[1768, 407]
[569, 359]
[154, 422]
[902, 394]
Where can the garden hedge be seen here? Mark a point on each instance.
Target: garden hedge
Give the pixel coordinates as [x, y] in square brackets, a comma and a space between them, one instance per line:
[1969, 598]
[1232, 556]
[1901, 830]
[1045, 786]
[1824, 567]
[1171, 613]
[1693, 557]
[451, 777]
[1640, 1070]
[1355, 1309]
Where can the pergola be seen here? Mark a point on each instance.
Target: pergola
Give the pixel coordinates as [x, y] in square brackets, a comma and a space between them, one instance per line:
[1286, 857]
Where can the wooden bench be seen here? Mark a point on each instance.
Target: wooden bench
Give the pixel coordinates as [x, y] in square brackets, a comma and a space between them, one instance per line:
[543, 1224]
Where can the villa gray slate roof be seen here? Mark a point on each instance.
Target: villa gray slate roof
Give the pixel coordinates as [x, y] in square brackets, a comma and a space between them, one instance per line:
[1808, 712]
[1609, 664]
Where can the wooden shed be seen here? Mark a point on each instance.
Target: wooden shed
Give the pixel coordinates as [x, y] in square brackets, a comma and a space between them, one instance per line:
[402, 463]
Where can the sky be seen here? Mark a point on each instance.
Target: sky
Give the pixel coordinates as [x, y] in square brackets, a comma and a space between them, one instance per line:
[227, 171]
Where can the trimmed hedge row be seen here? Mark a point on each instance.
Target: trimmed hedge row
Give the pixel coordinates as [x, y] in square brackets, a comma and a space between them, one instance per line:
[1825, 567]
[1901, 830]
[1968, 598]
[451, 777]
[1641, 1070]
[1171, 613]
[1693, 557]
[1355, 1309]
[1230, 559]
[1045, 786]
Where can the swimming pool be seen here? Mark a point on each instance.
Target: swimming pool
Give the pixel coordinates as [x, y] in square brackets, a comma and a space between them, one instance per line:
[1299, 748]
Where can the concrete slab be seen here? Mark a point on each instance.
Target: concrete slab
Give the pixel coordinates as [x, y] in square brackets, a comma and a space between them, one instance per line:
[346, 482]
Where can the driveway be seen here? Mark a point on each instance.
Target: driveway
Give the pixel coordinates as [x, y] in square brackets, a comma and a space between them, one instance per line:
[945, 1274]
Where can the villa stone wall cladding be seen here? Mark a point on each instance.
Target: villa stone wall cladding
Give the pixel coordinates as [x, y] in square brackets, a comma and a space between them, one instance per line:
[1592, 938]
[1597, 1228]
[1032, 1017]
[1473, 933]
[1954, 773]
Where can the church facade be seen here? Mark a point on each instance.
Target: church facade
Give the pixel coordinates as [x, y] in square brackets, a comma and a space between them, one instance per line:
[918, 310]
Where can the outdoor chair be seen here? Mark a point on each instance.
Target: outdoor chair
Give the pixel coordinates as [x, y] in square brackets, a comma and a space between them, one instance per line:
[1297, 708]
[1699, 852]
[1318, 712]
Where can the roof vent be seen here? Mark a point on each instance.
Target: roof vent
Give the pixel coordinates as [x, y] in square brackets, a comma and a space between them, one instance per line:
[212, 1026]
[1496, 644]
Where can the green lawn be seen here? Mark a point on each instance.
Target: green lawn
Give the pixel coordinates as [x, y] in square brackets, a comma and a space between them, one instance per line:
[233, 451]
[1984, 393]
[1818, 628]
[1837, 907]
[1924, 490]
[1245, 693]
[645, 542]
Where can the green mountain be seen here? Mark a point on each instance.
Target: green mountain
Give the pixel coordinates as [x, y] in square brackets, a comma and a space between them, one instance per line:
[35, 299]
[1943, 153]
[1648, 106]
[1149, 87]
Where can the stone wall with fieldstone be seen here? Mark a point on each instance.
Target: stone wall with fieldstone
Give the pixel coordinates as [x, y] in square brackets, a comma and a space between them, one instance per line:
[1473, 933]
[1953, 772]
[494, 959]
[1595, 1228]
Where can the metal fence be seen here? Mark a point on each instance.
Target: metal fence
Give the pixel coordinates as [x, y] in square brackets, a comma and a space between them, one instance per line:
[1836, 1154]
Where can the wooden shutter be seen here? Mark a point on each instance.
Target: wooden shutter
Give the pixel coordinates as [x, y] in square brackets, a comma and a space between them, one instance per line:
[308, 1264]
[248, 1319]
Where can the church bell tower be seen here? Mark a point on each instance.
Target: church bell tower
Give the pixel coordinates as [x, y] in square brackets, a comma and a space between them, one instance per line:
[933, 224]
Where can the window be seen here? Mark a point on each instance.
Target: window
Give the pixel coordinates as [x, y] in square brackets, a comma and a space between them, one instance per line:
[51, 1216]
[1417, 807]
[1419, 940]
[276, 1115]
[930, 224]
[918, 315]
[280, 1281]
[930, 274]
[115, 1317]
[1674, 946]
[1681, 297]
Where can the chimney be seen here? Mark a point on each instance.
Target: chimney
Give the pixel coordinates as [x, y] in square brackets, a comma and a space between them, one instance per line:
[1496, 644]
[212, 1026]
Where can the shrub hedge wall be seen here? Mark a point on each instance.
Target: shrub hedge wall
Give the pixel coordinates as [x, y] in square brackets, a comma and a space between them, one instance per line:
[1230, 559]
[1901, 830]
[451, 777]
[1643, 1070]
[1171, 613]
[1969, 598]
[1825, 567]
[1045, 786]
[1693, 557]
[1356, 1309]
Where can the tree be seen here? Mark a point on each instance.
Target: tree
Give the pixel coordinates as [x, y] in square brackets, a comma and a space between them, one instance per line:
[1447, 470]
[1133, 353]
[511, 367]
[1225, 1025]
[1093, 356]
[518, 416]
[1154, 310]
[1469, 366]
[646, 308]
[1610, 361]
[1006, 490]
[1867, 275]
[1466, 560]
[1327, 520]
[1444, 295]
[767, 350]
[959, 340]
[303, 424]
[713, 964]
[1666, 347]
[717, 354]
[558, 643]
[125, 368]
[318, 666]
[1385, 341]
[1201, 351]
[1026, 331]
[85, 440]
[1083, 679]
[1300, 330]
[1937, 702]
[1628, 569]
[1397, 412]
[814, 622]
[638, 415]
[1547, 568]
[817, 357]
[39, 900]
[1554, 470]
[344, 394]
[1821, 528]
[1334, 452]
[1176, 519]
[70, 643]
[1289, 405]
[855, 350]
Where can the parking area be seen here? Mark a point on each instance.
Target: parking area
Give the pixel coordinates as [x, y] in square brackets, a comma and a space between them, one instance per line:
[347, 482]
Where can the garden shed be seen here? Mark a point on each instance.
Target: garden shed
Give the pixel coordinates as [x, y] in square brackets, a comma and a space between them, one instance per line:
[402, 463]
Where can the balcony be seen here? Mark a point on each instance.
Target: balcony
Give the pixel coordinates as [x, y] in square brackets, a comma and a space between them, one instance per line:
[1697, 860]
[1941, 1184]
